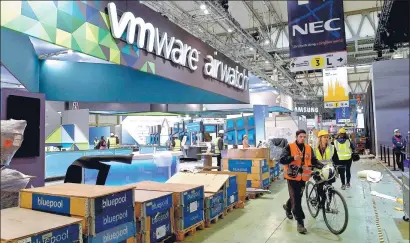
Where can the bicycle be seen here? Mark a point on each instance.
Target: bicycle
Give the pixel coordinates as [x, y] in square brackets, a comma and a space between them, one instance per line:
[315, 202]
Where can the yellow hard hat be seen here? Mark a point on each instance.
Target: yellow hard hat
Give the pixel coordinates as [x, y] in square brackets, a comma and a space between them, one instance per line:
[322, 133]
[342, 130]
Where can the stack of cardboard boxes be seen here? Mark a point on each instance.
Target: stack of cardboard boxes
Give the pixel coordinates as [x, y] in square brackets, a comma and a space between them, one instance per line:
[106, 213]
[154, 213]
[252, 161]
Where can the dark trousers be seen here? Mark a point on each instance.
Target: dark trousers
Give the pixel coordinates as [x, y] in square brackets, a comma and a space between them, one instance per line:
[399, 158]
[296, 189]
[218, 161]
[345, 172]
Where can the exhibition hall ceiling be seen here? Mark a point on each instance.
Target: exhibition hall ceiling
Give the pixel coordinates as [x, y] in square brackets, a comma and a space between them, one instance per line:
[230, 29]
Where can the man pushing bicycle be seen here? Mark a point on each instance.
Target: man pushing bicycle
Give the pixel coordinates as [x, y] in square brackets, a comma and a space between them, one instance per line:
[298, 159]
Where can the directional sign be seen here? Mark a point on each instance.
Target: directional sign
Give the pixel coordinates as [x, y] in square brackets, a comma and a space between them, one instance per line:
[322, 61]
[337, 104]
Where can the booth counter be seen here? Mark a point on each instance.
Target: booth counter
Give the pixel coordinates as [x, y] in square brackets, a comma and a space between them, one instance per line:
[159, 166]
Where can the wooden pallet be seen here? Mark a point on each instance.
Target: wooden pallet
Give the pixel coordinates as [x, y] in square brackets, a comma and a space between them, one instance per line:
[238, 204]
[254, 195]
[180, 235]
[214, 220]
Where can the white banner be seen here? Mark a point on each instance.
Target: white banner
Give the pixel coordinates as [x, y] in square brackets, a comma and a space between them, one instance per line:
[322, 61]
[335, 87]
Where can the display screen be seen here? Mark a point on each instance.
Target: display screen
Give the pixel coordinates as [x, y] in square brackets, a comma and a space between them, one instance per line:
[240, 123]
[140, 170]
[230, 124]
[28, 109]
[210, 129]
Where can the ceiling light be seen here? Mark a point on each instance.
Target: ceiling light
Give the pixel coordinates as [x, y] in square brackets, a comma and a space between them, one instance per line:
[267, 42]
[266, 61]
[251, 49]
[229, 30]
[203, 6]
[206, 11]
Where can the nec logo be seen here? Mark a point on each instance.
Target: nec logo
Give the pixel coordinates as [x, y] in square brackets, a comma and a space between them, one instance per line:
[315, 27]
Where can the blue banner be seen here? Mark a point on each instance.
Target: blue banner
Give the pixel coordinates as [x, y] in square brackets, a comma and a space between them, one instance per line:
[342, 115]
[316, 27]
[260, 112]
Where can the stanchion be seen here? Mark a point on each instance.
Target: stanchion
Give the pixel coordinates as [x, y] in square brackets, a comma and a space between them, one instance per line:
[384, 152]
[388, 156]
[394, 161]
[381, 152]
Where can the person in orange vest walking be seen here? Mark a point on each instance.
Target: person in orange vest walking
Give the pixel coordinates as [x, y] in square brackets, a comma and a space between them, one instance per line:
[298, 159]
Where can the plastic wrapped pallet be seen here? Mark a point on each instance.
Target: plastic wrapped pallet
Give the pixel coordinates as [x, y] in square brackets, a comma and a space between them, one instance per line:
[24, 225]
[107, 212]
[11, 180]
[11, 139]
[154, 212]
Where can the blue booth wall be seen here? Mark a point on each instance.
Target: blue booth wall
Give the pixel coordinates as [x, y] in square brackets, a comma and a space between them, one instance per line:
[98, 132]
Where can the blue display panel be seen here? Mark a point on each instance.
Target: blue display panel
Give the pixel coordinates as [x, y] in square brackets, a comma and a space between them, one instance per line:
[230, 124]
[193, 127]
[210, 128]
[139, 170]
[251, 121]
[240, 123]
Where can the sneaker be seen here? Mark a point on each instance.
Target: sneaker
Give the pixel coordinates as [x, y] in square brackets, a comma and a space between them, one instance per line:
[343, 187]
[348, 185]
[288, 212]
[301, 229]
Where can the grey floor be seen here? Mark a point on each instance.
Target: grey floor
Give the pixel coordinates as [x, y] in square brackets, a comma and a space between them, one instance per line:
[263, 219]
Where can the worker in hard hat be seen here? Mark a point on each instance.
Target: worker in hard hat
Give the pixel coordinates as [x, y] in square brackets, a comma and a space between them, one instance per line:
[219, 146]
[326, 153]
[245, 141]
[345, 149]
[399, 145]
[113, 142]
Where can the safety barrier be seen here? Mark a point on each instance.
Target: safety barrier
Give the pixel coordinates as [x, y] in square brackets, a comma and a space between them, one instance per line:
[385, 156]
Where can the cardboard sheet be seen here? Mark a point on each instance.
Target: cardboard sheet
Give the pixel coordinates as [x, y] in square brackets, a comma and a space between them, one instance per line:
[212, 182]
[19, 223]
[78, 190]
[241, 179]
[142, 196]
[163, 187]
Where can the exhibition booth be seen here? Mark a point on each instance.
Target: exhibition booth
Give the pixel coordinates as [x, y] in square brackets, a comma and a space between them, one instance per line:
[41, 43]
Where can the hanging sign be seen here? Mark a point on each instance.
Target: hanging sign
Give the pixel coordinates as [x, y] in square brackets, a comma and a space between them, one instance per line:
[321, 61]
[316, 28]
[304, 109]
[335, 88]
[170, 48]
[342, 115]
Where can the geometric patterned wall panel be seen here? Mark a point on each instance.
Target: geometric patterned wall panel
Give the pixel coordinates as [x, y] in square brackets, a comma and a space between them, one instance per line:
[68, 136]
[77, 25]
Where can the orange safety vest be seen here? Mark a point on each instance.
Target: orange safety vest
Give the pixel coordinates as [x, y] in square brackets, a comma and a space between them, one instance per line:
[307, 171]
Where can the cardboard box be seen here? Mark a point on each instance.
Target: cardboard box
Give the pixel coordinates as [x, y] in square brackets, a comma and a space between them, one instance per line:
[24, 225]
[188, 201]
[100, 207]
[155, 215]
[249, 153]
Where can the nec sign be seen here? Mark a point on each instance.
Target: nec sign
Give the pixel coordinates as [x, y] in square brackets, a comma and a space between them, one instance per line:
[315, 27]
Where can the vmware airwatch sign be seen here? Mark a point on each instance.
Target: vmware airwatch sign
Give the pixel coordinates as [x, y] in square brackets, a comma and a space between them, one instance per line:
[170, 48]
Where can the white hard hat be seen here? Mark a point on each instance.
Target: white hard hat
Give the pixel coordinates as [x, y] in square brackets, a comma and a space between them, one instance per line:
[396, 130]
[221, 131]
[328, 172]
[112, 134]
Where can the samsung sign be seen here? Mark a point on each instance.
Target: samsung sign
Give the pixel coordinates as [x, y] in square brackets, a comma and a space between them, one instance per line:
[301, 109]
[170, 48]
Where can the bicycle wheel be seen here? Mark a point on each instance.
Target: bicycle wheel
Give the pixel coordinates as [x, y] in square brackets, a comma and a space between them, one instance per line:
[312, 199]
[335, 199]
